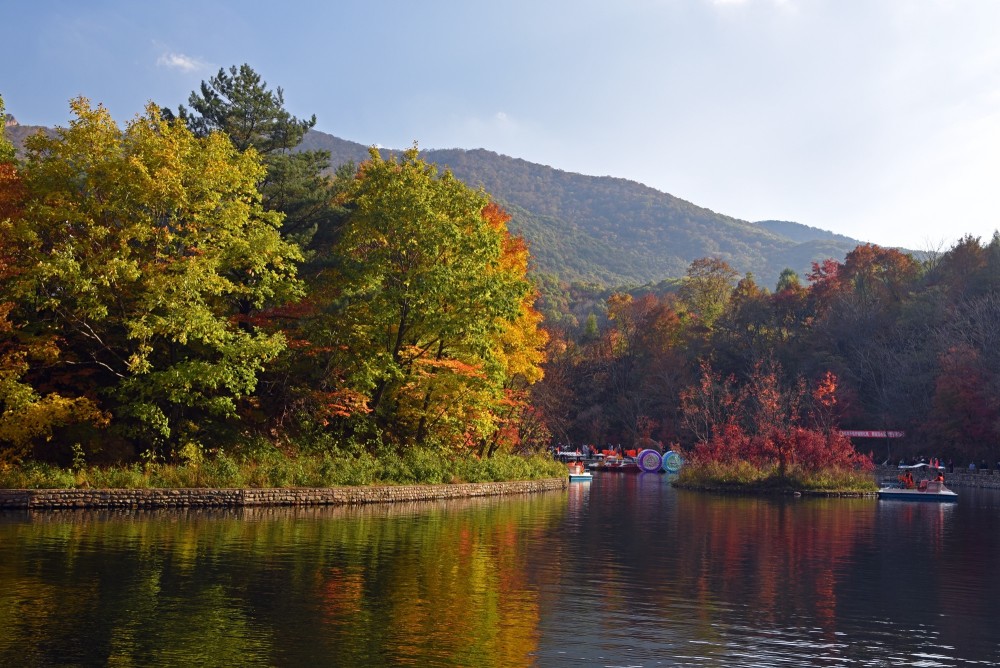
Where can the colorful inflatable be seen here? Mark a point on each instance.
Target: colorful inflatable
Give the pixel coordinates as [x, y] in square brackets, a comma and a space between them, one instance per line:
[649, 461]
[672, 462]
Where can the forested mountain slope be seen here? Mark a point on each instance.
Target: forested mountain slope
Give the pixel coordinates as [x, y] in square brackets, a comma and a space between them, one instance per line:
[612, 231]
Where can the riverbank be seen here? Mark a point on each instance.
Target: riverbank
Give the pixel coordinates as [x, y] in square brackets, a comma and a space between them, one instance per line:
[250, 497]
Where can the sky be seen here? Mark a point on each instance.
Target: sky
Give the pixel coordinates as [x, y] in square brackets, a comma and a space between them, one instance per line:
[877, 119]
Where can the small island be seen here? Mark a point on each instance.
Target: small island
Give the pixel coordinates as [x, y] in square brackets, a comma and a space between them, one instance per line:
[770, 437]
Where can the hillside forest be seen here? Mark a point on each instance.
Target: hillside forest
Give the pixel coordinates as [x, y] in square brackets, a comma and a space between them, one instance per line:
[197, 279]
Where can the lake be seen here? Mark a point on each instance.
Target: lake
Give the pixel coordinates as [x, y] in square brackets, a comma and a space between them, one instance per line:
[622, 571]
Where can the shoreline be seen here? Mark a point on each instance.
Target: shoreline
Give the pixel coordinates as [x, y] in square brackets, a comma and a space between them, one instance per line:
[200, 497]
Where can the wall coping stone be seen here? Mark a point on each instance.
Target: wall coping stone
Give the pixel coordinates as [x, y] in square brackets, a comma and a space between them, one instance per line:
[249, 497]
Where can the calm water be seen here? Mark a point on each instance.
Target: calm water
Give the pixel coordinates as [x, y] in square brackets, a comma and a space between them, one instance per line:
[622, 571]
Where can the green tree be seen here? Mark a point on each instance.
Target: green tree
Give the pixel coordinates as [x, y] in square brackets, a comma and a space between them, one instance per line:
[134, 253]
[7, 152]
[707, 287]
[788, 280]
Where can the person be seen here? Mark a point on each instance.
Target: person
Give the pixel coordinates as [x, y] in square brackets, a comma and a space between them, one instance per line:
[972, 466]
[940, 476]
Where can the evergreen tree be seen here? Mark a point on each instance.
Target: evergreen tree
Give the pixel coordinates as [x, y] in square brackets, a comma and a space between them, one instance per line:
[239, 104]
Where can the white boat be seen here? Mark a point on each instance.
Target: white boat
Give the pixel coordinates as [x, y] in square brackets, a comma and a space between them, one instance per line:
[577, 473]
[926, 490]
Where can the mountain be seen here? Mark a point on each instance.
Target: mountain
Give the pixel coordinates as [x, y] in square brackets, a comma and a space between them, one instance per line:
[606, 231]
[16, 133]
[615, 232]
[802, 233]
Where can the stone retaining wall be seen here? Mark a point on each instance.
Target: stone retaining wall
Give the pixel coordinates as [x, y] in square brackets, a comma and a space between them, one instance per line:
[239, 498]
[986, 478]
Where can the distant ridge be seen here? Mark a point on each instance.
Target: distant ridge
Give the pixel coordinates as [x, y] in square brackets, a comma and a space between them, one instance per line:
[802, 233]
[17, 133]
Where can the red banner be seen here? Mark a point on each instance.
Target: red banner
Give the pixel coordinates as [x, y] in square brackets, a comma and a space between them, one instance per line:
[873, 434]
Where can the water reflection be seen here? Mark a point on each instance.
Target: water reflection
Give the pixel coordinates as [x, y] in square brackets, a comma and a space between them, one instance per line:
[366, 586]
[669, 577]
[623, 570]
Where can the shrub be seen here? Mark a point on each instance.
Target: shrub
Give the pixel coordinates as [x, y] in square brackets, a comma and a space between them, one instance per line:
[269, 467]
[36, 475]
[132, 477]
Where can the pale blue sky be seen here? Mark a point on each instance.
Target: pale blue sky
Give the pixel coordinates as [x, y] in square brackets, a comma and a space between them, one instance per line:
[879, 119]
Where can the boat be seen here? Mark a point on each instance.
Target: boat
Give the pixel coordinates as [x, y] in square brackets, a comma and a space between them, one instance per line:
[615, 465]
[616, 461]
[924, 490]
[579, 474]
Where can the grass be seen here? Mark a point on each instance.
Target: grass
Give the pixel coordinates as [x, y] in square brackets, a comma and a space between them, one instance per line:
[275, 469]
[743, 476]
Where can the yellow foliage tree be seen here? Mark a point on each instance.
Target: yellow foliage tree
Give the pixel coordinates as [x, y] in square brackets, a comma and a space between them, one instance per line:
[26, 415]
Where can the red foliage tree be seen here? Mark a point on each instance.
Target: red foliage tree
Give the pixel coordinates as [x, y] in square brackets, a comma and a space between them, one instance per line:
[965, 410]
[768, 423]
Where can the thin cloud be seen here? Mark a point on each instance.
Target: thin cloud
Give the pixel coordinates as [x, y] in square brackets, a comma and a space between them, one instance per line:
[786, 4]
[178, 61]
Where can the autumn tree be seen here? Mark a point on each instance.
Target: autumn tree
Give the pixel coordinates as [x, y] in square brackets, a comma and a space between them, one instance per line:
[554, 397]
[643, 364]
[744, 331]
[430, 318]
[521, 351]
[860, 328]
[966, 409]
[26, 414]
[879, 274]
[131, 258]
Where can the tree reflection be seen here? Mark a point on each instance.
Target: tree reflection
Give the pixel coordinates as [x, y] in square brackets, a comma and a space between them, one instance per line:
[387, 585]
